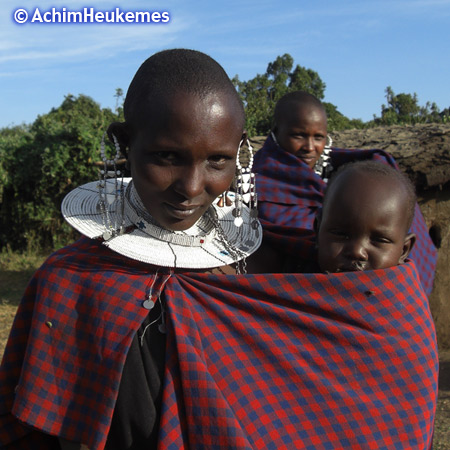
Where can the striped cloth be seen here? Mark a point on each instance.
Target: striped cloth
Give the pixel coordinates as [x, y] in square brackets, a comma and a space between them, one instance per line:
[290, 194]
[281, 361]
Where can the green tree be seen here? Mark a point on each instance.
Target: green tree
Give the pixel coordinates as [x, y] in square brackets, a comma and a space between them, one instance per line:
[258, 108]
[308, 80]
[119, 101]
[41, 163]
[261, 93]
[404, 109]
[337, 121]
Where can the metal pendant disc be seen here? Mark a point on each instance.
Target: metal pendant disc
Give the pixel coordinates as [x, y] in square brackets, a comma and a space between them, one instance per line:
[148, 304]
[107, 235]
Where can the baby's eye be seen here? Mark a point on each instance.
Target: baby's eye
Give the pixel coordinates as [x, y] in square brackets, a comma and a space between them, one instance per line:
[381, 240]
[319, 138]
[341, 234]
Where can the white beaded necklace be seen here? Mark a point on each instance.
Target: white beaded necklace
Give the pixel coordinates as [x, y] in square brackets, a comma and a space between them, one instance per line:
[204, 229]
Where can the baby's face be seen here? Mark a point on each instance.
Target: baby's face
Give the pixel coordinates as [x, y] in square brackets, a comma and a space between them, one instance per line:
[363, 225]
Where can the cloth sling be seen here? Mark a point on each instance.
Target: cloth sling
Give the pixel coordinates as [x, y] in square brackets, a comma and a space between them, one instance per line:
[290, 194]
[279, 361]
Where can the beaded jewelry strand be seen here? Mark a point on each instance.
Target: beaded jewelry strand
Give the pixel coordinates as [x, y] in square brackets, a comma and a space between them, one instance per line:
[111, 190]
[245, 187]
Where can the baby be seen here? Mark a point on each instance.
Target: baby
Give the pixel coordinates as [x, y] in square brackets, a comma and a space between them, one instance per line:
[364, 223]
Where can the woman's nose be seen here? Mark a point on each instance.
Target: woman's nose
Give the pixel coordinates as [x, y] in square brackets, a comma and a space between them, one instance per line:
[189, 181]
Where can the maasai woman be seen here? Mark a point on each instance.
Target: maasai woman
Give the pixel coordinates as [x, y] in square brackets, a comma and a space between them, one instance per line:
[143, 335]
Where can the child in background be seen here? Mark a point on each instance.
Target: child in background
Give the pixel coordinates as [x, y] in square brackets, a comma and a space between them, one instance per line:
[300, 127]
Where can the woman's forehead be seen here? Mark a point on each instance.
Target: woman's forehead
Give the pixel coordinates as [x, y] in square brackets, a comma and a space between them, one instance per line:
[189, 107]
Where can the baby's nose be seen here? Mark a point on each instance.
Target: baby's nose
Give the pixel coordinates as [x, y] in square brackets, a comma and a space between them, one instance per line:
[356, 250]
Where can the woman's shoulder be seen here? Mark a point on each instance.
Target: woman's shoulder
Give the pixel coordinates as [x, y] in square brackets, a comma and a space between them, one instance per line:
[89, 254]
[82, 250]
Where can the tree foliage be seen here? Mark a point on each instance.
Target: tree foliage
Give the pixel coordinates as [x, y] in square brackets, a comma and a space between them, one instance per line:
[41, 163]
[404, 109]
[261, 93]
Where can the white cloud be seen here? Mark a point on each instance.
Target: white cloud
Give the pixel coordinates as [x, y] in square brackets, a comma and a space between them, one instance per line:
[48, 43]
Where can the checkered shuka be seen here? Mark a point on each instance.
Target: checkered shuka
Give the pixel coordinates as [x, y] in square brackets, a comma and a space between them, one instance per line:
[290, 194]
[279, 361]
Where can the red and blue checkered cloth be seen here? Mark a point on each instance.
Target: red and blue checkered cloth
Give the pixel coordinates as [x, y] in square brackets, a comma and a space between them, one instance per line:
[290, 194]
[280, 361]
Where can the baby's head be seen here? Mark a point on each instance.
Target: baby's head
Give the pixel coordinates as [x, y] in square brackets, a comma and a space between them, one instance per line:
[367, 211]
[300, 126]
[183, 124]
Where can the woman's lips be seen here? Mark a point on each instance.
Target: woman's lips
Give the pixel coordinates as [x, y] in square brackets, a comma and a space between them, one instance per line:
[181, 211]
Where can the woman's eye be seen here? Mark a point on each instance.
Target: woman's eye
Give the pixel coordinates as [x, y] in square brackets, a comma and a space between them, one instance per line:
[164, 156]
[218, 160]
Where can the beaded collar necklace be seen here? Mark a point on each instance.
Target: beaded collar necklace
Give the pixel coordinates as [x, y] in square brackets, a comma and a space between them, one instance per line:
[202, 232]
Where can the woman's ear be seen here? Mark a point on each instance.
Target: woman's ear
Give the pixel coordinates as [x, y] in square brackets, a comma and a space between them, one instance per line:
[120, 131]
[410, 239]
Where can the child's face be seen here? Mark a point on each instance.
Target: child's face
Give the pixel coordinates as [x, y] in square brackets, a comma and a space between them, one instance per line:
[184, 155]
[363, 225]
[302, 131]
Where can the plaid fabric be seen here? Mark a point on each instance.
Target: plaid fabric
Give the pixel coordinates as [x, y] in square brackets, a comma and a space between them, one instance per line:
[68, 345]
[344, 361]
[290, 194]
[253, 362]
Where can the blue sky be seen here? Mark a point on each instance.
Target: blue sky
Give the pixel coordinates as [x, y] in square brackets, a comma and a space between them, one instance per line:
[357, 47]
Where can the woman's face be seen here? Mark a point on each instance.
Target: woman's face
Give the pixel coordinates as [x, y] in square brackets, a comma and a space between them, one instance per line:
[302, 131]
[183, 155]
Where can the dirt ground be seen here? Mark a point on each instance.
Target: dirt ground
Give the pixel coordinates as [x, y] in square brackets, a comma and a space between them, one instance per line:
[442, 423]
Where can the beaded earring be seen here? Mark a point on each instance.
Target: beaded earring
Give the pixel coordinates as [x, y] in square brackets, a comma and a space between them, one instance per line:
[111, 191]
[323, 165]
[245, 187]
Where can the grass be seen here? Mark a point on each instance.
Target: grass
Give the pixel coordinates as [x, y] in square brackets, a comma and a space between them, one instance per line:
[16, 270]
